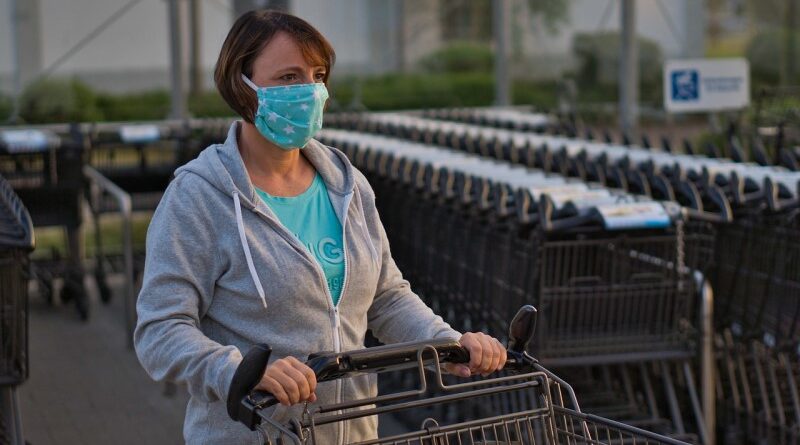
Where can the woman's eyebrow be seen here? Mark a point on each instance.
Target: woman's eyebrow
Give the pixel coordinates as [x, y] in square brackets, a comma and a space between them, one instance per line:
[297, 68]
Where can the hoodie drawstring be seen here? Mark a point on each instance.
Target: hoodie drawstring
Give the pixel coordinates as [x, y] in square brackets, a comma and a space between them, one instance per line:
[246, 248]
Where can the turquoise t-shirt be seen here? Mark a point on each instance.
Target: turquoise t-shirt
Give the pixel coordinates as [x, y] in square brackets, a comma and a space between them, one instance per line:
[311, 218]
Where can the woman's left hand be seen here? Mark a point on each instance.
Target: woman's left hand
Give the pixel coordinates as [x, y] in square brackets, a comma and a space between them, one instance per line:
[486, 355]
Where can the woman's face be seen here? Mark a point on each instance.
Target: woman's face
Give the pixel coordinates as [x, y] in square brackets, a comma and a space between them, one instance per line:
[281, 62]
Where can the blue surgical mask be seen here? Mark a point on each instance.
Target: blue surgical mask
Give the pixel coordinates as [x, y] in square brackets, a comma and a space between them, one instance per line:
[290, 115]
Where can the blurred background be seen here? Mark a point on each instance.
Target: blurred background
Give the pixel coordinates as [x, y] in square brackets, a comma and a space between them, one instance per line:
[82, 60]
[683, 111]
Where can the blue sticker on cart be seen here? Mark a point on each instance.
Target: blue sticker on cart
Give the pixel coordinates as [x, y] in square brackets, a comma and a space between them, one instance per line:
[634, 216]
[139, 134]
[26, 141]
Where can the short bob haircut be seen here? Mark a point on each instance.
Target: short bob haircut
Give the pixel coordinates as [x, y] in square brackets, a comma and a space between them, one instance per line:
[248, 36]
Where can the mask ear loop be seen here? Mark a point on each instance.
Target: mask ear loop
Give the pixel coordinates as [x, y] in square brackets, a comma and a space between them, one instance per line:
[249, 82]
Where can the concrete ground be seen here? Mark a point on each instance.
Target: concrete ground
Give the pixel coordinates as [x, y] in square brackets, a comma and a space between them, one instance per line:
[87, 387]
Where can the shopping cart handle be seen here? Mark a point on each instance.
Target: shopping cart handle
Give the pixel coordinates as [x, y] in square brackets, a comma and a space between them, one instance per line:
[661, 187]
[690, 195]
[244, 403]
[521, 329]
[242, 400]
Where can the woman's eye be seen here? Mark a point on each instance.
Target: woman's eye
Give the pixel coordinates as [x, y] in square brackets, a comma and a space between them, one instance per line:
[288, 77]
[319, 77]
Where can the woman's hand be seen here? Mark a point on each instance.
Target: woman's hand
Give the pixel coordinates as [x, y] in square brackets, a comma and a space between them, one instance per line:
[290, 381]
[486, 355]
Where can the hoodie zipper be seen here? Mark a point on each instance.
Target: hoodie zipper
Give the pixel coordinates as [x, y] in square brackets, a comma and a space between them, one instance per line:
[337, 324]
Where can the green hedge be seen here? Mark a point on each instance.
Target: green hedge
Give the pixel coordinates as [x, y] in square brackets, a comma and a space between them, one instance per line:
[59, 100]
[70, 100]
[409, 91]
[149, 105]
[765, 52]
[459, 57]
[598, 57]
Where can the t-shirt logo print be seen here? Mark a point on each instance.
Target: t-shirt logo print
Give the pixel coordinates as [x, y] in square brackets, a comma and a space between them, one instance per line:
[329, 251]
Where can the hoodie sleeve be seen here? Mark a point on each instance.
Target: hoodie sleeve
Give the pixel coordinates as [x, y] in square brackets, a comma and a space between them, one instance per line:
[179, 279]
[397, 314]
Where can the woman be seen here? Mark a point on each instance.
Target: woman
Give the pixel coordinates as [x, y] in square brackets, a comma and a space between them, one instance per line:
[273, 237]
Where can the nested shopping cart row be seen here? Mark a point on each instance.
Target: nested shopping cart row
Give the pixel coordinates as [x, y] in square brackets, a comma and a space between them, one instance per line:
[752, 258]
[754, 265]
[117, 168]
[748, 199]
[607, 276]
[520, 117]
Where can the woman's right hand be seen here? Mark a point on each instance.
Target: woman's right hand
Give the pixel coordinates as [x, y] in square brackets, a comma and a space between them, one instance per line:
[290, 381]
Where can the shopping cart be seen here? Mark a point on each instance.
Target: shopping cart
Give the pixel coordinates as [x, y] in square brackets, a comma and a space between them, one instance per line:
[538, 407]
[475, 250]
[16, 242]
[45, 171]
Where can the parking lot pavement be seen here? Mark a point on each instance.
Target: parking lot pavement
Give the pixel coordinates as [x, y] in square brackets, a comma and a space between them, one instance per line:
[86, 387]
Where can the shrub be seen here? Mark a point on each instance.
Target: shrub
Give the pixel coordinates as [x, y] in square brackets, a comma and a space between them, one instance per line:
[6, 107]
[459, 57]
[598, 63]
[149, 105]
[58, 100]
[765, 51]
[209, 104]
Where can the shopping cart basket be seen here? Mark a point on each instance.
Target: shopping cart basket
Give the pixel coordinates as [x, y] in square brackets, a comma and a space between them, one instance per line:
[539, 407]
[46, 173]
[16, 242]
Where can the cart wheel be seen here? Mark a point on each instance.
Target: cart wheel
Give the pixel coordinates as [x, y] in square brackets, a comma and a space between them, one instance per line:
[82, 304]
[74, 290]
[102, 285]
[46, 290]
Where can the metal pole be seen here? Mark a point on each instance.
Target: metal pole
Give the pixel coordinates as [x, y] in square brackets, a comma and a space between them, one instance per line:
[791, 12]
[629, 71]
[707, 366]
[400, 35]
[99, 183]
[195, 28]
[177, 20]
[15, 60]
[502, 29]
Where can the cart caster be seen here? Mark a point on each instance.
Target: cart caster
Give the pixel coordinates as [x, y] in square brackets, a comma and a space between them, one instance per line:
[46, 290]
[74, 290]
[102, 286]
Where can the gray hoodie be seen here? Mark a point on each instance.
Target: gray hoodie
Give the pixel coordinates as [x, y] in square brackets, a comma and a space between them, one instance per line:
[222, 274]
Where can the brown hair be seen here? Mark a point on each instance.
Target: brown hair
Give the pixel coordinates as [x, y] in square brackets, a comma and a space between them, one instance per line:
[248, 36]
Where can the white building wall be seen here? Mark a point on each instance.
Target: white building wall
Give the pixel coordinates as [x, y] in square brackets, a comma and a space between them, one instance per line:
[131, 54]
[345, 23]
[6, 54]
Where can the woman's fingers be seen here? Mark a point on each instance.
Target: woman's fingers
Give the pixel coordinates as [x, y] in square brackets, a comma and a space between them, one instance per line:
[307, 372]
[489, 354]
[288, 384]
[473, 345]
[273, 387]
[486, 354]
[290, 381]
[303, 388]
[498, 354]
[458, 369]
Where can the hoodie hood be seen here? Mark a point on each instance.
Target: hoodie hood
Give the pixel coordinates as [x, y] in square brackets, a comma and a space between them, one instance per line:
[222, 166]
